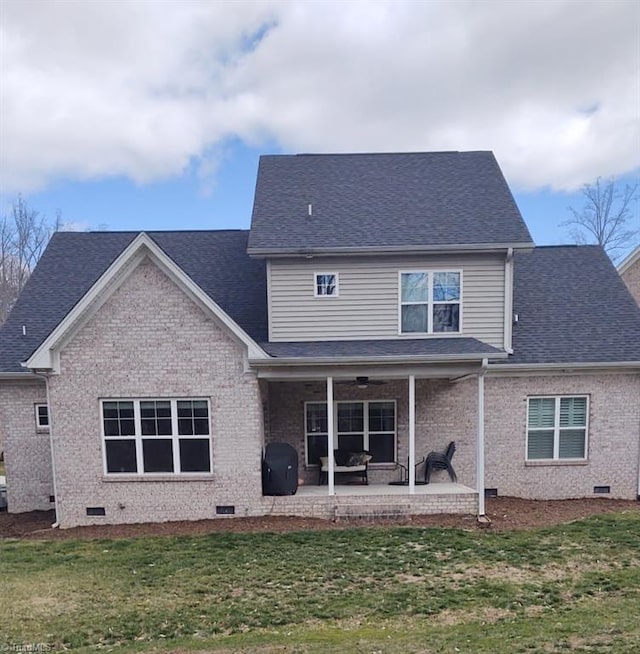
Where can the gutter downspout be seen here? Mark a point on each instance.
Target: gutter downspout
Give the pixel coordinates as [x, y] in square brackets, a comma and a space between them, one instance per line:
[480, 443]
[508, 301]
[45, 376]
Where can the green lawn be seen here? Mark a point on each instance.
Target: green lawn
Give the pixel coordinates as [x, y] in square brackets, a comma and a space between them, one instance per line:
[570, 588]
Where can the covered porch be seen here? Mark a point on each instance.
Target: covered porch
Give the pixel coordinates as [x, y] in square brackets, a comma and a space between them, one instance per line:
[397, 411]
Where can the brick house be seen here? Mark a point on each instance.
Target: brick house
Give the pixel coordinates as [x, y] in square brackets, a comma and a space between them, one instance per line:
[388, 303]
[629, 270]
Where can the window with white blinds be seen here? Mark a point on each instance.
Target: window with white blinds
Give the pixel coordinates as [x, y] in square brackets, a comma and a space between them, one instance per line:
[557, 427]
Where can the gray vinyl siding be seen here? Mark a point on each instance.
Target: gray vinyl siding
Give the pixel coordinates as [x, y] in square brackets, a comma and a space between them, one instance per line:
[367, 304]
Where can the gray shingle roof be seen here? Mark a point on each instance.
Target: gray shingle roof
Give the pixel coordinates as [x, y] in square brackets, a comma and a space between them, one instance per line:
[73, 262]
[70, 265]
[571, 303]
[381, 348]
[409, 200]
[572, 307]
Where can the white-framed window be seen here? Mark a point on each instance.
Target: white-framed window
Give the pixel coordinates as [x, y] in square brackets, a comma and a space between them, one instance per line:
[42, 417]
[557, 427]
[360, 426]
[325, 284]
[430, 301]
[156, 436]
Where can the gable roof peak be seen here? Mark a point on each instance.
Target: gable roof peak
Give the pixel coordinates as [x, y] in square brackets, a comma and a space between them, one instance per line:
[46, 356]
[73, 262]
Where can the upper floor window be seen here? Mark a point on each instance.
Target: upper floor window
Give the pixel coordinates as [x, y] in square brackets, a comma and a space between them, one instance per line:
[42, 416]
[326, 284]
[156, 436]
[430, 302]
[557, 428]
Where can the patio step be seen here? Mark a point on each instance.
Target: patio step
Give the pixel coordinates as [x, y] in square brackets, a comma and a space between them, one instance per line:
[372, 511]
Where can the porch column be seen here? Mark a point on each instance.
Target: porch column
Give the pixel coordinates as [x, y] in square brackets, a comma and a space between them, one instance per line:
[412, 434]
[330, 435]
[480, 452]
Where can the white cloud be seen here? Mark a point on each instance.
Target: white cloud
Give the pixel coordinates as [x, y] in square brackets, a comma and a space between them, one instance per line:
[144, 89]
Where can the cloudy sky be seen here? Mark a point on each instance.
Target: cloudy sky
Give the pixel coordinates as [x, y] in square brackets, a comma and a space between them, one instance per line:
[143, 114]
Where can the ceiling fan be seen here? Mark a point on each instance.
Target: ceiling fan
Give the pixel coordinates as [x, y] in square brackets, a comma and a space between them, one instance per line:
[362, 382]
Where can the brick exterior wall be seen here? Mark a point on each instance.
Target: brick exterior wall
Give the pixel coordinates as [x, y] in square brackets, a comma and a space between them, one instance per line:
[27, 450]
[150, 340]
[444, 412]
[631, 278]
[613, 438]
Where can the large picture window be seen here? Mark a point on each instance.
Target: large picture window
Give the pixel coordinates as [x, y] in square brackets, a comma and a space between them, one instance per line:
[156, 436]
[430, 302]
[360, 426]
[557, 428]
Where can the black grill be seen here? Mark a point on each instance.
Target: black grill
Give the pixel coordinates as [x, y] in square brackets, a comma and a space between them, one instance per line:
[279, 470]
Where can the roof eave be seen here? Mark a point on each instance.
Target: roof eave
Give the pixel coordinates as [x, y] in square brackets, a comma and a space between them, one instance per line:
[18, 375]
[376, 360]
[599, 366]
[453, 248]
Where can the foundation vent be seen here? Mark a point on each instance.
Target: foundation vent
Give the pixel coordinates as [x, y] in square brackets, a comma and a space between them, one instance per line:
[52, 498]
[491, 492]
[601, 490]
[96, 510]
[225, 510]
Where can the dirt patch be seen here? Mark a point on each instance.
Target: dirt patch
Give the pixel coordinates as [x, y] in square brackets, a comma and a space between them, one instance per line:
[486, 615]
[514, 513]
[506, 513]
[550, 572]
[498, 572]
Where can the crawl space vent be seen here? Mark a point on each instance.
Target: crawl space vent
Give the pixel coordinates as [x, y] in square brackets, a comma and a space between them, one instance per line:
[96, 510]
[602, 490]
[225, 510]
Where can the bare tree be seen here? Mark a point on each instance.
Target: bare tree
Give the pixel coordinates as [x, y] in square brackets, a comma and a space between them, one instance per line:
[24, 234]
[606, 217]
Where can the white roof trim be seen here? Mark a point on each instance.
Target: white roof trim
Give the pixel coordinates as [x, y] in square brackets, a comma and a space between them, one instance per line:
[453, 248]
[377, 360]
[629, 261]
[400, 371]
[22, 376]
[46, 357]
[542, 368]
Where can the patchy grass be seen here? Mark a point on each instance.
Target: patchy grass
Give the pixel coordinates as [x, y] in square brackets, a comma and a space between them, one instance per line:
[574, 587]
